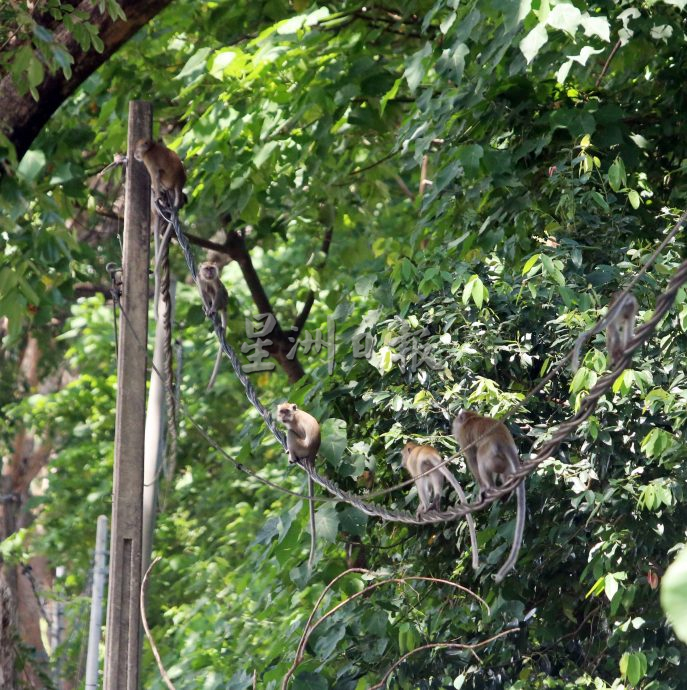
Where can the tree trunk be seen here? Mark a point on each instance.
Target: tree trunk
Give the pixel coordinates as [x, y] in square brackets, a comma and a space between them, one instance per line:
[21, 117]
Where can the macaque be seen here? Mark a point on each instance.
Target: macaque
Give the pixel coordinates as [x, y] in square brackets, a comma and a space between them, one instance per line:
[167, 174]
[303, 435]
[167, 178]
[621, 328]
[418, 460]
[619, 323]
[215, 301]
[490, 451]
[303, 442]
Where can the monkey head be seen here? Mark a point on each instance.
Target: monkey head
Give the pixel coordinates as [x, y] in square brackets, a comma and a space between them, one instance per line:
[208, 271]
[286, 412]
[142, 147]
[407, 450]
[462, 418]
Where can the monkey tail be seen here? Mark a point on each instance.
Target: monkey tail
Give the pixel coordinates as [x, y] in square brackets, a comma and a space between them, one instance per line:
[517, 536]
[468, 517]
[313, 535]
[215, 369]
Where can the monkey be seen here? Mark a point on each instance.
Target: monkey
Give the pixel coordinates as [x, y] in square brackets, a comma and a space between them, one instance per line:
[215, 301]
[303, 442]
[303, 436]
[621, 328]
[167, 174]
[418, 459]
[489, 451]
[167, 178]
[619, 321]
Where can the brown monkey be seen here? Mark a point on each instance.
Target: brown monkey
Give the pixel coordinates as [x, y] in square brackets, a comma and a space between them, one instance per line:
[167, 178]
[303, 442]
[167, 174]
[621, 328]
[619, 324]
[303, 436]
[215, 301]
[420, 459]
[490, 451]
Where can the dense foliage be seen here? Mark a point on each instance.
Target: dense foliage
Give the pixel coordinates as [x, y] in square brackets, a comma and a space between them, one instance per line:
[492, 172]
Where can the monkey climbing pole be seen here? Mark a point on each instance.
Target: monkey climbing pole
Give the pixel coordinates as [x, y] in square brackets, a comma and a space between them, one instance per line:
[122, 651]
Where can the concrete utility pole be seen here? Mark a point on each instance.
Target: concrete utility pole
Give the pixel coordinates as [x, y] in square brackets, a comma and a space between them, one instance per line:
[122, 652]
[156, 424]
[97, 591]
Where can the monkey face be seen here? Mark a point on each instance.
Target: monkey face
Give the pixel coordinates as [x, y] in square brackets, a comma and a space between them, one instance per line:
[286, 411]
[142, 147]
[208, 271]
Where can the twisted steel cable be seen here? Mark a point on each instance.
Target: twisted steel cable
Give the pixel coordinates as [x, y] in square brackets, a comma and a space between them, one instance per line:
[587, 406]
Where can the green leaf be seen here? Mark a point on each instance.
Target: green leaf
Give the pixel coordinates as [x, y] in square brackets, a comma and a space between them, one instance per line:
[263, 153]
[616, 175]
[327, 522]
[334, 441]
[389, 95]
[565, 17]
[32, 164]
[633, 198]
[533, 42]
[416, 67]
[35, 71]
[600, 201]
[353, 521]
[195, 65]
[228, 63]
[309, 681]
[596, 588]
[530, 263]
[610, 586]
[674, 595]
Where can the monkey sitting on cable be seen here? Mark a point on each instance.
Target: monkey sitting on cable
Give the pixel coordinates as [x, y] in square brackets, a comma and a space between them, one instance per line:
[490, 452]
[421, 459]
[619, 323]
[303, 435]
[303, 442]
[215, 301]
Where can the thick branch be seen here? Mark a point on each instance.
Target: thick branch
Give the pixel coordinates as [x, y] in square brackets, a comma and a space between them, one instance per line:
[22, 118]
[235, 247]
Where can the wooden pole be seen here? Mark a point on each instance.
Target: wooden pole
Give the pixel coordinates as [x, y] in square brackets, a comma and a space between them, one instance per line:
[122, 650]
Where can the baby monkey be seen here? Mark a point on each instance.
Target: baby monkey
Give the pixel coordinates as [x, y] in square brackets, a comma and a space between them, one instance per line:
[421, 459]
[215, 301]
[490, 452]
[167, 174]
[303, 442]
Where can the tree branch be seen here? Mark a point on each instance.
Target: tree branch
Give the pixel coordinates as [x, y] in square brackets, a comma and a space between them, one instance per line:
[235, 247]
[310, 299]
[22, 118]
